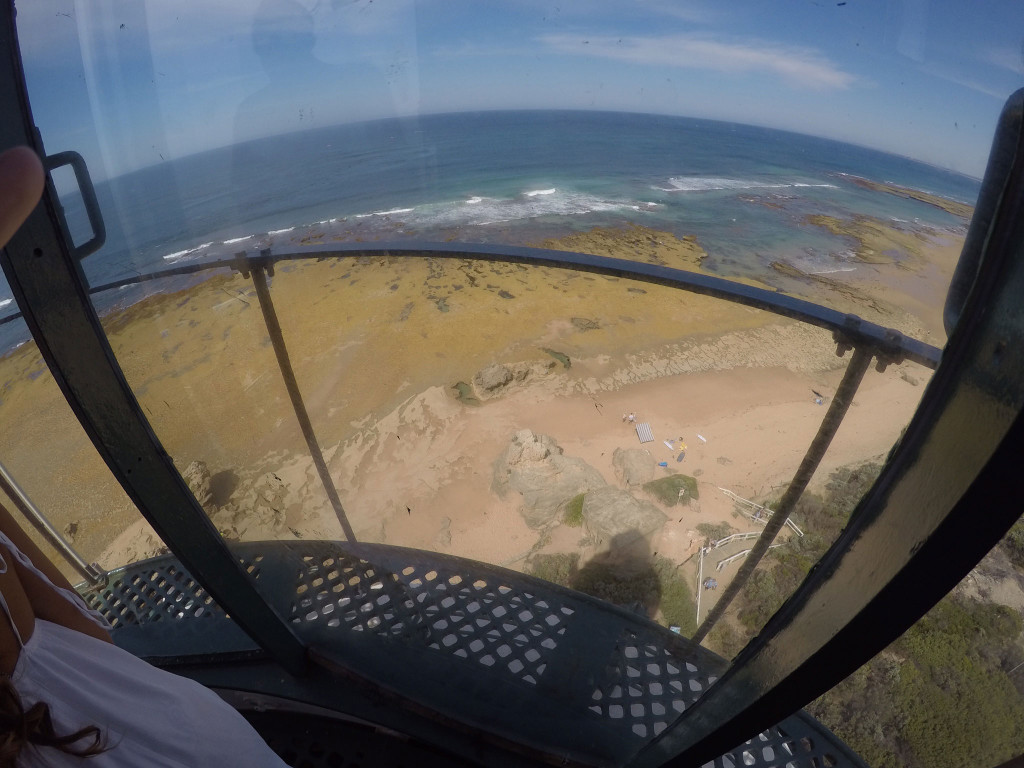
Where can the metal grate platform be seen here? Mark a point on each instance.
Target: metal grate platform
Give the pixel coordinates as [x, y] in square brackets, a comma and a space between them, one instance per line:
[503, 654]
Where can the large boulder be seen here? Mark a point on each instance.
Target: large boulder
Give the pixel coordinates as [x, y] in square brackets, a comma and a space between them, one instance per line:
[497, 379]
[197, 477]
[634, 466]
[609, 512]
[493, 377]
[534, 466]
[257, 511]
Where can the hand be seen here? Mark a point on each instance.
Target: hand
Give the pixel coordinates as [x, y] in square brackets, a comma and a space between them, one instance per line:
[21, 185]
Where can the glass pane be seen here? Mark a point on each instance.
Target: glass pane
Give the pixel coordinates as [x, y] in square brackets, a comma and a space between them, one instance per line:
[48, 455]
[601, 432]
[295, 128]
[950, 691]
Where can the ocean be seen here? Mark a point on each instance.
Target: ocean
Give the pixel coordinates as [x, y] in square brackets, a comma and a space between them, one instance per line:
[511, 177]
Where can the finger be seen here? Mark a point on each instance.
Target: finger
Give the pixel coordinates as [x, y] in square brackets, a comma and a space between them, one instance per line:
[21, 184]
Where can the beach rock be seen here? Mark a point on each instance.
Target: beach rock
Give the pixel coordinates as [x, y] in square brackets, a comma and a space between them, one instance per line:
[496, 379]
[197, 476]
[260, 510]
[633, 466]
[444, 535]
[585, 324]
[534, 466]
[609, 512]
[494, 376]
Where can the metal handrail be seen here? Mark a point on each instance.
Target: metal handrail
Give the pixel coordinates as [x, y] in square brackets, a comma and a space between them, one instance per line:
[93, 574]
[855, 330]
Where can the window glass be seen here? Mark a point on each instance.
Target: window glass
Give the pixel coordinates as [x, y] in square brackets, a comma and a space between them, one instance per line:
[51, 460]
[950, 690]
[599, 431]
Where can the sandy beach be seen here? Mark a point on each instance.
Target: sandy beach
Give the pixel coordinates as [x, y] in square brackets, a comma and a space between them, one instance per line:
[389, 355]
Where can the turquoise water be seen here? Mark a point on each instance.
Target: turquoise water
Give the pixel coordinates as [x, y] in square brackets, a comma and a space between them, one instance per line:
[511, 177]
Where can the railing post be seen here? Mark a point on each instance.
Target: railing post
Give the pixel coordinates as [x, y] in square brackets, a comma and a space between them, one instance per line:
[93, 574]
[829, 425]
[259, 280]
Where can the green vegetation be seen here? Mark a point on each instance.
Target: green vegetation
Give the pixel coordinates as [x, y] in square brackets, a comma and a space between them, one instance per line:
[464, 394]
[714, 531]
[1013, 544]
[628, 585]
[558, 569]
[677, 605]
[651, 585]
[666, 489]
[939, 696]
[573, 516]
[560, 357]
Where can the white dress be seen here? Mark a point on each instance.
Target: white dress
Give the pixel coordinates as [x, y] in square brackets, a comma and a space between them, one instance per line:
[148, 717]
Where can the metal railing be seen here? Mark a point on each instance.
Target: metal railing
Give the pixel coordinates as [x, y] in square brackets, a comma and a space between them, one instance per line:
[868, 341]
[913, 536]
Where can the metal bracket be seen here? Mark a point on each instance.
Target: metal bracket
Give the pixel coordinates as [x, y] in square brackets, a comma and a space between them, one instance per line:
[92, 206]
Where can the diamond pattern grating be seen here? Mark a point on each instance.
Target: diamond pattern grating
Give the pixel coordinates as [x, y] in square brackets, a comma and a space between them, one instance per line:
[647, 685]
[481, 619]
[493, 628]
[157, 589]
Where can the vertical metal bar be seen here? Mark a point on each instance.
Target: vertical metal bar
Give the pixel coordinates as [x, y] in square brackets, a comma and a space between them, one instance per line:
[829, 425]
[91, 573]
[259, 279]
[700, 579]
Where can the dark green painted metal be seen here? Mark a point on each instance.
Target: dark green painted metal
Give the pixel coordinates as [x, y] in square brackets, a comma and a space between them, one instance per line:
[841, 402]
[893, 344]
[487, 662]
[943, 500]
[284, 364]
[915, 534]
[92, 206]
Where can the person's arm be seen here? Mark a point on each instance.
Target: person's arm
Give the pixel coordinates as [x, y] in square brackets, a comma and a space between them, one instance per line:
[21, 184]
[46, 603]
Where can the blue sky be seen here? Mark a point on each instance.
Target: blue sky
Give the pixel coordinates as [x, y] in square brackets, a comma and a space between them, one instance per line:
[129, 83]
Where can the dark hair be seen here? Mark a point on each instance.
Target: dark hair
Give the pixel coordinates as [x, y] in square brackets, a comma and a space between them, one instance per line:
[20, 727]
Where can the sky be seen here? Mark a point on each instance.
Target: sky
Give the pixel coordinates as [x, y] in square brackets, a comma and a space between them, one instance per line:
[130, 83]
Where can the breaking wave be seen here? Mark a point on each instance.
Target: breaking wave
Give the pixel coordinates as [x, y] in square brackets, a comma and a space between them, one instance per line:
[711, 183]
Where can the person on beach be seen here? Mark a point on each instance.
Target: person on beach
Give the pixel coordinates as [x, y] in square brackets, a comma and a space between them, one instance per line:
[68, 695]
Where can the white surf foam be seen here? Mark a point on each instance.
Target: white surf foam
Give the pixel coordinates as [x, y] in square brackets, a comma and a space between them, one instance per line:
[536, 192]
[234, 240]
[830, 271]
[392, 212]
[712, 183]
[280, 231]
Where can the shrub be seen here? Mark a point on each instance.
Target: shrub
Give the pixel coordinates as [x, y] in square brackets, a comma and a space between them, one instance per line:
[628, 587]
[558, 568]
[1013, 544]
[714, 531]
[666, 489]
[677, 603]
[573, 516]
